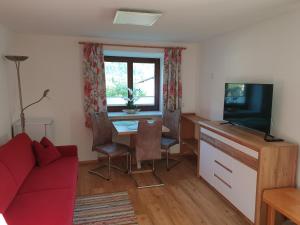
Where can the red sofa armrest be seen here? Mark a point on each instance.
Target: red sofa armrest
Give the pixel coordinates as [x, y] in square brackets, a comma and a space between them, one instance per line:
[68, 150]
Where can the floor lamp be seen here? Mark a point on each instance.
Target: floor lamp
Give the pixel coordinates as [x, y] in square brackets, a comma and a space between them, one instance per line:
[18, 60]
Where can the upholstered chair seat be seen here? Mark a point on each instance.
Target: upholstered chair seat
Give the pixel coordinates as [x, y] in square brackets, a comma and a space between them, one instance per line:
[167, 143]
[103, 143]
[171, 119]
[112, 149]
[148, 140]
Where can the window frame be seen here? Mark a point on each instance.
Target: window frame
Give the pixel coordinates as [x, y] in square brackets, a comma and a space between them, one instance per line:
[130, 61]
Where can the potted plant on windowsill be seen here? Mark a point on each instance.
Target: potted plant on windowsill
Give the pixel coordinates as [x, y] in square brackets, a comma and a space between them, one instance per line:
[133, 96]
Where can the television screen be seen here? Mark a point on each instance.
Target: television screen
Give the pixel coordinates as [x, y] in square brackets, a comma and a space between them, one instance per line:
[249, 105]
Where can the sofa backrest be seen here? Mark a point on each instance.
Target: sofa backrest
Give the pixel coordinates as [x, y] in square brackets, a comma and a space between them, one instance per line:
[8, 188]
[16, 161]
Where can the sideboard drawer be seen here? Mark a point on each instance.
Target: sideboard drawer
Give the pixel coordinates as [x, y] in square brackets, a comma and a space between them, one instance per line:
[244, 189]
[223, 160]
[206, 161]
[222, 186]
[242, 148]
[222, 173]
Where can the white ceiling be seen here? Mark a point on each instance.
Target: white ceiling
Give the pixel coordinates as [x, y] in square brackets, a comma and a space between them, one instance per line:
[182, 20]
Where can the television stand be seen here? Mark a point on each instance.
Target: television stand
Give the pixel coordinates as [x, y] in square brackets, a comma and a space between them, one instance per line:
[271, 138]
[255, 165]
[227, 122]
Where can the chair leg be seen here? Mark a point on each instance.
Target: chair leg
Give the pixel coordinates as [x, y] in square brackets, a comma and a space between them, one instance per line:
[153, 165]
[130, 161]
[175, 161]
[167, 152]
[160, 183]
[109, 166]
[127, 161]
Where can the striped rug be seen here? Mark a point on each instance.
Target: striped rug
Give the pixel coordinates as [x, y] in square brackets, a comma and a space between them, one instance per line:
[104, 209]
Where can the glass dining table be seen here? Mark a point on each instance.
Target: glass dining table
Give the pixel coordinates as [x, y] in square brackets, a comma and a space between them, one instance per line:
[129, 127]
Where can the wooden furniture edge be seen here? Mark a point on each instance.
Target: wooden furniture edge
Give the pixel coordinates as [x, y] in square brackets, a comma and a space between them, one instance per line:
[86, 162]
[193, 117]
[275, 160]
[234, 153]
[256, 136]
[190, 135]
[269, 202]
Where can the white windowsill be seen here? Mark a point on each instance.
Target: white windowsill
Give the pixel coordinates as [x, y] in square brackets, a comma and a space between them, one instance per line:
[145, 114]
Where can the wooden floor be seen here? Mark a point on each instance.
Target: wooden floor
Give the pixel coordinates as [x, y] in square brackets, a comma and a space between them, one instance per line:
[185, 199]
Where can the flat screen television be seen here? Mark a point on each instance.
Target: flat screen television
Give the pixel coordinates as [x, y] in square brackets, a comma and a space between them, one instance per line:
[249, 105]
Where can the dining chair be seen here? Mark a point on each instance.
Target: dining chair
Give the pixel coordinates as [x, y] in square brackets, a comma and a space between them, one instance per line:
[102, 142]
[171, 119]
[147, 148]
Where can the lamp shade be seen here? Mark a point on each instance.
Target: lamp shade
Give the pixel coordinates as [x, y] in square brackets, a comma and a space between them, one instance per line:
[16, 58]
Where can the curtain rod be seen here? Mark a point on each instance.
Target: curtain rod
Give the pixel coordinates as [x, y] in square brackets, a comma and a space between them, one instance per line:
[132, 46]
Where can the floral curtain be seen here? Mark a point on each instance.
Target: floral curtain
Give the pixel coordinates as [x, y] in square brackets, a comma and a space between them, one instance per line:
[94, 81]
[172, 87]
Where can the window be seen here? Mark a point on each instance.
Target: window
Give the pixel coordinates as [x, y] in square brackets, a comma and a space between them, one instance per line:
[140, 74]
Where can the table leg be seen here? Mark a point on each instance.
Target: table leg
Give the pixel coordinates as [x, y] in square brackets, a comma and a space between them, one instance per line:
[132, 141]
[271, 216]
[132, 146]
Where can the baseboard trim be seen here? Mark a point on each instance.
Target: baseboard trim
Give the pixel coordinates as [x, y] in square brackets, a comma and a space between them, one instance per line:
[85, 162]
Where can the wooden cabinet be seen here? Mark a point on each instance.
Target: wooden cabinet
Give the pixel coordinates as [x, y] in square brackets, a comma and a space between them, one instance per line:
[189, 134]
[231, 178]
[239, 164]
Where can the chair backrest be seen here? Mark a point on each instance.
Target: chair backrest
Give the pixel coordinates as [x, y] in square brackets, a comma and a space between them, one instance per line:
[171, 119]
[148, 140]
[102, 129]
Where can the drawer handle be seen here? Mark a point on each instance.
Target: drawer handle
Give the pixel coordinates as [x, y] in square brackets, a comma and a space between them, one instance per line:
[225, 167]
[224, 182]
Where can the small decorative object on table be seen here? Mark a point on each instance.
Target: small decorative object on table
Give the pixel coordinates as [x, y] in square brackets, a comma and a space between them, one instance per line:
[133, 96]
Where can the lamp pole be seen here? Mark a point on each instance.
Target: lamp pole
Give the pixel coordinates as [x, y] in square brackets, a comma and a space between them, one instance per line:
[18, 60]
[22, 116]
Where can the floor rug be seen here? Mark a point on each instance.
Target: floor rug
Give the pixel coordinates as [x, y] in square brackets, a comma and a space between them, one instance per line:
[104, 209]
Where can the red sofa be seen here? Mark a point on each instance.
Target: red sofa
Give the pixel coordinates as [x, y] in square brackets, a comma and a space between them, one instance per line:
[32, 195]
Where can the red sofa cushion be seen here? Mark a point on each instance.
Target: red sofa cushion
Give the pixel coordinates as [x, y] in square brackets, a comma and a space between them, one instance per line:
[46, 142]
[45, 154]
[8, 188]
[68, 150]
[18, 157]
[60, 174]
[42, 208]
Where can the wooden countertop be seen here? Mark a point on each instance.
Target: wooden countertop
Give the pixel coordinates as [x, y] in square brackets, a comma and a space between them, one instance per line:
[244, 136]
[192, 117]
[284, 200]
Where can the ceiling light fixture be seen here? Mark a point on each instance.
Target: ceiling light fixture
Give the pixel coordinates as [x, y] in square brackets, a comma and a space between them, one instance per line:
[136, 17]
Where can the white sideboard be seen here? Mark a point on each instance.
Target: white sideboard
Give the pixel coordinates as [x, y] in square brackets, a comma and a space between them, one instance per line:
[239, 165]
[231, 178]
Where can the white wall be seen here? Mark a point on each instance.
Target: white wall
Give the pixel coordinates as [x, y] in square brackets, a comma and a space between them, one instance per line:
[267, 52]
[5, 120]
[55, 63]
